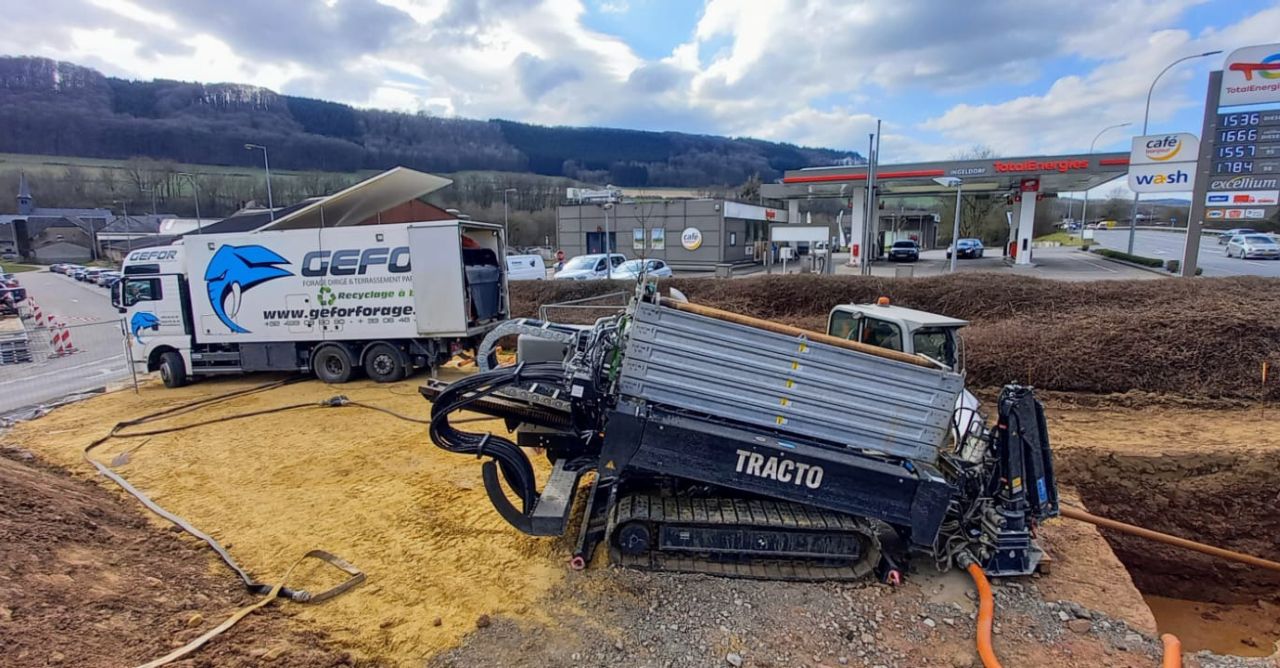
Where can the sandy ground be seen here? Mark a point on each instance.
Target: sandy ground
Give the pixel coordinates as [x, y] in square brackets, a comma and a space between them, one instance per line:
[359, 484]
[444, 568]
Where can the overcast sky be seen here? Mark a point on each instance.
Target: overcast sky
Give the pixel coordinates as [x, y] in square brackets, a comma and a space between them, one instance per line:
[1022, 76]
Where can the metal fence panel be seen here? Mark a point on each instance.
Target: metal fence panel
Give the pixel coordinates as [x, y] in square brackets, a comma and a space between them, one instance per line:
[63, 360]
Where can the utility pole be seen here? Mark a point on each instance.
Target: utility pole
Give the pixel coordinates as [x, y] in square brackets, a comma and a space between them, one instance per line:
[871, 222]
[195, 189]
[505, 229]
[271, 205]
[958, 184]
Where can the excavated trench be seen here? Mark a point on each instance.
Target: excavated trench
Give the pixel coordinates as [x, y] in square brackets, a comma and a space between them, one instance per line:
[1225, 499]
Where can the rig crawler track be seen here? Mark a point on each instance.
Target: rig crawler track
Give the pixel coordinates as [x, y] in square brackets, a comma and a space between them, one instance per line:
[746, 538]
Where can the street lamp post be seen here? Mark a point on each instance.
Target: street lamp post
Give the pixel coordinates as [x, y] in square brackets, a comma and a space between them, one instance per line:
[195, 189]
[505, 213]
[124, 204]
[608, 247]
[958, 184]
[1146, 115]
[271, 205]
[1084, 211]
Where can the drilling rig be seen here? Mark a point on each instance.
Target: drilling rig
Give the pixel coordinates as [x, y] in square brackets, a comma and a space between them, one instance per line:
[712, 442]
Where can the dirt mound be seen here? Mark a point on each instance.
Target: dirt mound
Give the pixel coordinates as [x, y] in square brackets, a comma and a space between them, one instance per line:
[1202, 338]
[88, 582]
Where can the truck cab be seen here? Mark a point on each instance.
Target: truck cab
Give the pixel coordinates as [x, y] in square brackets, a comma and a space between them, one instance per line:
[903, 329]
[935, 337]
[152, 296]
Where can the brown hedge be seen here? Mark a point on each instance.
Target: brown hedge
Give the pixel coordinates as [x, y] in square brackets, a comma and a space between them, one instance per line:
[1205, 337]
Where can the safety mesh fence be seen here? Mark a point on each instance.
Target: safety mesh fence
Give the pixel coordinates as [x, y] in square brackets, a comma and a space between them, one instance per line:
[45, 360]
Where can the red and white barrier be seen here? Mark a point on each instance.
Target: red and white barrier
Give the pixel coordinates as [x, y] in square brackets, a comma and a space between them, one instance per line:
[61, 340]
[37, 315]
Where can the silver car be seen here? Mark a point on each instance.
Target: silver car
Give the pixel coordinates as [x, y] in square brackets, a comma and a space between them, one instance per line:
[1249, 246]
[633, 269]
[1228, 235]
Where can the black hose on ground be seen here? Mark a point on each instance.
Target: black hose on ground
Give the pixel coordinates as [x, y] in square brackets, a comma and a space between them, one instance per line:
[117, 432]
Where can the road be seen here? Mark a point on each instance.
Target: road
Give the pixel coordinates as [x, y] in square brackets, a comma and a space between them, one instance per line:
[1062, 264]
[95, 332]
[1169, 245]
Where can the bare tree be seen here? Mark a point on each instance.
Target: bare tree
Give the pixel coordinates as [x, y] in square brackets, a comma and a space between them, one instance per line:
[977, 211]
[643, 211]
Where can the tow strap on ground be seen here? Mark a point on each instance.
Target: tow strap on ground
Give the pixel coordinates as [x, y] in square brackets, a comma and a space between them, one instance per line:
[356, 578]
[279, 590]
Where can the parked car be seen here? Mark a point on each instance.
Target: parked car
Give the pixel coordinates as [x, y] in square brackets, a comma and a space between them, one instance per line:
[1248, 246]
[57, 268]
[8, 257]
[904, 251]
[1228, 235]
[526, 268]
[587, 267]
[968, 248]
[633, 268]
[107, 277]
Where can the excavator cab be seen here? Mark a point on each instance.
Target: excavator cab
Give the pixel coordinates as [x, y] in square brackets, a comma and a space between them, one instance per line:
[929, 335]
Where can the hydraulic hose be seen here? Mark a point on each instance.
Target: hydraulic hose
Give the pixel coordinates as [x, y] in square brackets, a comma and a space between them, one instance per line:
[514, 464]
[1172, 651]
[986, 615]
[1077, 514]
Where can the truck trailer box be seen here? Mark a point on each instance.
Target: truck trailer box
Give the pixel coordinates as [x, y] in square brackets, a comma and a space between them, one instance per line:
[390, 298]
[405, 281]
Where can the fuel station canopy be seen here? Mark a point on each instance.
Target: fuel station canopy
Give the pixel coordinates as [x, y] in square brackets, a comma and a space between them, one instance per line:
[1060, 173]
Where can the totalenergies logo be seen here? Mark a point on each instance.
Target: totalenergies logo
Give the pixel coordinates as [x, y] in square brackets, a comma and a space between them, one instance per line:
[1164, 148]
[1267, 68]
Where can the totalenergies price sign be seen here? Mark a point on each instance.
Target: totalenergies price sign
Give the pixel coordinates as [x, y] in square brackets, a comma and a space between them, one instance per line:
[1251, 76]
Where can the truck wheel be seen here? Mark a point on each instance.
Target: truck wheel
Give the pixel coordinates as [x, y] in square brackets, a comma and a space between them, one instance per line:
[384, 363]
[332, 364]
[172, 370]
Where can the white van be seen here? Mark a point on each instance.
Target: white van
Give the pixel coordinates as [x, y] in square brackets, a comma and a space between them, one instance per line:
[526, 268]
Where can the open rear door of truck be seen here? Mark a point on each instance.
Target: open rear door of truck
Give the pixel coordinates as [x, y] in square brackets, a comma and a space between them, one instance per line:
[439, 281]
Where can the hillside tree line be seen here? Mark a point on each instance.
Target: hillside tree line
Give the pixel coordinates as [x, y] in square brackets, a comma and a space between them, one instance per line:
[56, 108]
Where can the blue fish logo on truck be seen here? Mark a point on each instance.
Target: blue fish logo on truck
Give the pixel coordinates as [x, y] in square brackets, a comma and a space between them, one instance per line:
[234, 270]
[143, 320]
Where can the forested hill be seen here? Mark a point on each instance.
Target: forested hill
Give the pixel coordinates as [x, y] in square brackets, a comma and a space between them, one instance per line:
[56, 108]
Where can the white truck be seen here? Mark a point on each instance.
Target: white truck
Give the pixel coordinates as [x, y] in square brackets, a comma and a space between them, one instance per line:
[385, 298]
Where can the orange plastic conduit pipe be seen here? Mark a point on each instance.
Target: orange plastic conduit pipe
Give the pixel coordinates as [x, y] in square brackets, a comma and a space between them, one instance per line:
[1077, 514]
[1172, 651]
[986, 616]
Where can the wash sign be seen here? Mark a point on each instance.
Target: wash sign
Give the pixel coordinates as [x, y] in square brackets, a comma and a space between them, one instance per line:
[1163, 163]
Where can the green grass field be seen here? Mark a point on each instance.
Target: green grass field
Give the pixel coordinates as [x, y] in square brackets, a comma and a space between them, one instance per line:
[56, 163]
[15, 268]
[1064, 238]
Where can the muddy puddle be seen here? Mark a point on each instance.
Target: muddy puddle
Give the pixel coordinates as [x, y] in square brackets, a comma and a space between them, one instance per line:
[1240, 630]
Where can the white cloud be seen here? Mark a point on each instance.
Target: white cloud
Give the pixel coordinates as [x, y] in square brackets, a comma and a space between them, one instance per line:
[803, 71]
[1068, 115]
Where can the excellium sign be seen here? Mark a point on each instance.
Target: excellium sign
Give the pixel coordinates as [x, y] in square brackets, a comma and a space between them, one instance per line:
[1163, 163]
